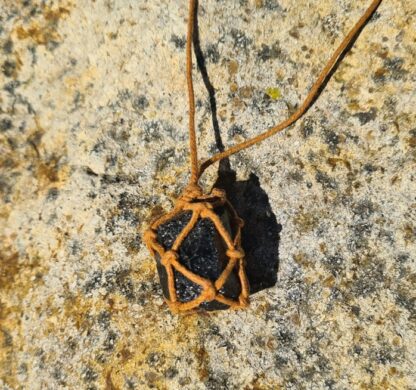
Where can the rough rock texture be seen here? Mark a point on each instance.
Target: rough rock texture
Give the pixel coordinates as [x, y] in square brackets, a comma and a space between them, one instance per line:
[203, 252]
[93, 116]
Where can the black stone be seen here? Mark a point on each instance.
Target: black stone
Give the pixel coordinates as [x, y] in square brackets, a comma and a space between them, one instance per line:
[203, 252]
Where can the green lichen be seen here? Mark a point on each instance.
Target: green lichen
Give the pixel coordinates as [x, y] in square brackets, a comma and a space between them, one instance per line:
[273, 93]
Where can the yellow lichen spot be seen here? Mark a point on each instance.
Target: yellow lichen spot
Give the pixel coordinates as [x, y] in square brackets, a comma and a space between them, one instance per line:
[246, 92]
[273, 93]
[233, 67]
[44, 29]
[306, 222]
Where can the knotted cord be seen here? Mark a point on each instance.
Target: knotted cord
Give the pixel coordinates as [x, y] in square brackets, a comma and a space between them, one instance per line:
[196, 171]
[203, 206]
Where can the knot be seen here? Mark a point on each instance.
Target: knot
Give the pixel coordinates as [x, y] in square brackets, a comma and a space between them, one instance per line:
[191, 192]
[204, 213]
[243, 301]
[198, 207]
[218, 192]
[235, 253]
[174, 306]
[210, 293]
[149, 235]
[169, 257]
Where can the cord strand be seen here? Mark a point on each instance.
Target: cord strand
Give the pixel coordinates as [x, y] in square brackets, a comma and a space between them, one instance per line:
[193, 150]
[310, 98]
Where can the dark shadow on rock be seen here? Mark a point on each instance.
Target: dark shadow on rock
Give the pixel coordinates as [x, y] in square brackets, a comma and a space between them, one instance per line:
[261, 233]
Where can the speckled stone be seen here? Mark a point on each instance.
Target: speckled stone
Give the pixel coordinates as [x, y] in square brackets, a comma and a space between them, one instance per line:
[203, 253]
[93, 145]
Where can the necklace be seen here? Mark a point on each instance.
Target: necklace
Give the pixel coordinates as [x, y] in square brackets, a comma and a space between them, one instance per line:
[197, 245]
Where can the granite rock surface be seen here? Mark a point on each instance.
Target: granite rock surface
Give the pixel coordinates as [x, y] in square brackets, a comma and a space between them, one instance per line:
[93, 145]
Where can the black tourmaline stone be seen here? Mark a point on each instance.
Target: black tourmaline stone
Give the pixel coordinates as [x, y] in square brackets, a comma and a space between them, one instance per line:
[203, 253]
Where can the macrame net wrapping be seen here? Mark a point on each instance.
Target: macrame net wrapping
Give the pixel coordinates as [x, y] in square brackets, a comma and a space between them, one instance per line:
[201, 206]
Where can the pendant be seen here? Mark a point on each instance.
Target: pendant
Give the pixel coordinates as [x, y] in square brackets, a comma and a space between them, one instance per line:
[199, 259]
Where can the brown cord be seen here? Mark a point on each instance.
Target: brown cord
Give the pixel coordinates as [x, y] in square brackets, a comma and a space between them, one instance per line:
[192, 135]
[202, 207]
[313, 93]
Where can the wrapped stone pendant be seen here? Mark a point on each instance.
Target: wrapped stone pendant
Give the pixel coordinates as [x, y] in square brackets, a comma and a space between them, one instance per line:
[197, 247]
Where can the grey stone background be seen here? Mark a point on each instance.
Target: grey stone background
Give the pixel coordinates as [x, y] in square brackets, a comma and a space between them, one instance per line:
[93, 143]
